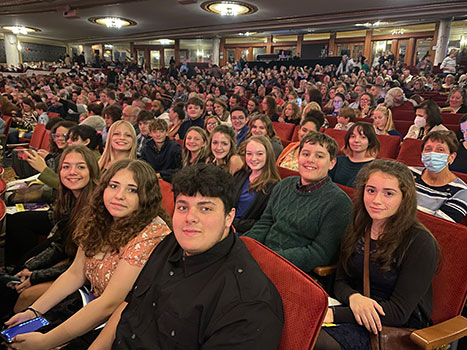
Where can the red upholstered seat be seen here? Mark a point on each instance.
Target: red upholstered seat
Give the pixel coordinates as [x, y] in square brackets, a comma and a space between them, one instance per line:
[37, 136]
[332, 120]
[389, 146]
[348, 190]
[403, 115]
[339, 136]
[2, 211]
[304, 301]
[411, 152]
[284, 172]
[403, 126]
[167, 197]
[451, 118]
[283, 130]
[295, 133]
[45, 144]
[450, 282]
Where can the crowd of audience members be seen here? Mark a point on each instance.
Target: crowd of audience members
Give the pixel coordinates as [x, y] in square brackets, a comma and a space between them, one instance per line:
[148, 125]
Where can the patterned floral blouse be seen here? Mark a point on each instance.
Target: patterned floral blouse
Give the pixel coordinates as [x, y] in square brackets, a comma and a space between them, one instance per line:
[137, 251]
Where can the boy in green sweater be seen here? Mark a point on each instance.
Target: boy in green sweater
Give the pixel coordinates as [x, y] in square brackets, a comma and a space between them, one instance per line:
[306, 216]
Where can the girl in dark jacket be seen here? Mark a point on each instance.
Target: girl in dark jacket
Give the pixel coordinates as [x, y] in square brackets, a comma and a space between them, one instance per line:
[254, 183]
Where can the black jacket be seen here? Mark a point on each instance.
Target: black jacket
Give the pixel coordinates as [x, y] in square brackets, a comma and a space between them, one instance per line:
[257, 206]
[218, 299]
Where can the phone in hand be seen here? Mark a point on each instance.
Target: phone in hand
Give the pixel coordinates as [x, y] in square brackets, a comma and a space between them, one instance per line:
[299, 102]
[23, 328]
[5, 279]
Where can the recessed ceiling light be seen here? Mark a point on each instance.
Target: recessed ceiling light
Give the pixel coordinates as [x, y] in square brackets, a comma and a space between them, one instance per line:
[372, 25]
[112, 22]
[229, 8]
[21, 29]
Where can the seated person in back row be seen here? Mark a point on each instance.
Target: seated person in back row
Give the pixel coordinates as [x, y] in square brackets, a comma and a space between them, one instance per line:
[201, 288]
[162, 153]
[345, 119]
[306, 216]
[440, 192]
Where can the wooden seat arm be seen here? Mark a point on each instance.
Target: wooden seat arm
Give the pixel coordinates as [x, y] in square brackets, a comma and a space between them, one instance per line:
[442, 333]
[325, 270]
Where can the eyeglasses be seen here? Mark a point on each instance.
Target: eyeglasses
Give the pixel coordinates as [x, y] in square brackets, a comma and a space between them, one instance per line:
[56, 136]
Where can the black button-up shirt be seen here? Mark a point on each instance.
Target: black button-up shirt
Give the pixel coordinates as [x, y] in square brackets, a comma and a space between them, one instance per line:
[219, 299]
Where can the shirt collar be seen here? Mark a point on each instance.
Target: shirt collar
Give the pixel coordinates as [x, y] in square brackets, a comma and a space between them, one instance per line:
[313, 186]
[195, 263]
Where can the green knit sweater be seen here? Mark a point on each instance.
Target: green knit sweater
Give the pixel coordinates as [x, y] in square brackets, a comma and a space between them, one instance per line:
[304, 227]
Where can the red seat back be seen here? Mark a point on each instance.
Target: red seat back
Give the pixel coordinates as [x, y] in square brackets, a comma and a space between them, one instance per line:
[403, 126]
[167, 197]
[37, 136]
[295, 133]
[450, 282]
[332, 120]
[451, 118]
[304, 301]
[45, 143]
[389, 146]
[349, 191]
[403, 115]
[7, 120]
[284, 172]
[411, 152]
[283, 130]
[339, 136]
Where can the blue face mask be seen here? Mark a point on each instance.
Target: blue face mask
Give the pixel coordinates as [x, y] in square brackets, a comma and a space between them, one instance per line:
[435, 162]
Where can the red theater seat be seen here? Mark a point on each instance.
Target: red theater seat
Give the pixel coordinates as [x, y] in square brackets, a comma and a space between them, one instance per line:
[411, 152]
[449, 285]
[304, 301]
[389, 146]
[283, 130]
[284, 172]
[339, 136]
[167, 197]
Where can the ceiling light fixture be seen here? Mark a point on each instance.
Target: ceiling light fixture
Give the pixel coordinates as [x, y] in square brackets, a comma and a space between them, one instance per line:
[21, 29]
[398, 31]
[112, 22]
[371, 25]
[229, 8]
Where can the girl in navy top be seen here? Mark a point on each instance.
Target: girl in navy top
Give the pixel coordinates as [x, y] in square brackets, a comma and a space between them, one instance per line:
[254, 183]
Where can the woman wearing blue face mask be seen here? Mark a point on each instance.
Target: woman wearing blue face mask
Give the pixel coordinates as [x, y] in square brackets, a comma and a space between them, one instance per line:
[428, 118]
[439, 191]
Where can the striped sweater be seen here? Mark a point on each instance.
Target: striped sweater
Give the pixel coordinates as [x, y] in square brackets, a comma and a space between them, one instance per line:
[448, 202]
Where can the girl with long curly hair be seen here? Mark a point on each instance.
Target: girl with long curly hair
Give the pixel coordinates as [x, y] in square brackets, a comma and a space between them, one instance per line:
[118, 230]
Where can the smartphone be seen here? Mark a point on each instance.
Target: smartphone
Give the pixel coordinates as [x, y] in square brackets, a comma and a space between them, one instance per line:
[11, 284]
[299, 102]
[4, 278]
[33, 148]
[22, 328]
